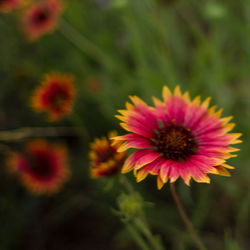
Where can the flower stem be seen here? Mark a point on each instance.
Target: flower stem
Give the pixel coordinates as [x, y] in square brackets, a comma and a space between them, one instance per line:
[137, 237]
[144, 228]
[124, 180]
[26, 132]
[85, 45]
[140, 221]
[185, 219]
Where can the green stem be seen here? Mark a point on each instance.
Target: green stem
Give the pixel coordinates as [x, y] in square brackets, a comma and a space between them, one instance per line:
[186, 220]
[82, 43]
[137, 237]
[124, 180]
[23, 133]
[141, 221]
[144, 228]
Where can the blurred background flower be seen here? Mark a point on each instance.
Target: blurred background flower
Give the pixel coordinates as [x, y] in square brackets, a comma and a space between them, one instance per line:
[105, 160]
[41, 17]
[42, 168]
[55, 95]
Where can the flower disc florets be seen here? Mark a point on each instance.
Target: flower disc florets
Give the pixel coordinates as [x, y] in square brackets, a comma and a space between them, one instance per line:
[174, 142]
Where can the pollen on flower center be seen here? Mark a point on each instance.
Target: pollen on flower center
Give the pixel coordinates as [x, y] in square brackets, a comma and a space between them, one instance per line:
[175, 142]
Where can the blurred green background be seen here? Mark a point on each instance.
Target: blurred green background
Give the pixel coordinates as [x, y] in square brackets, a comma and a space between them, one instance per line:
[127, 47]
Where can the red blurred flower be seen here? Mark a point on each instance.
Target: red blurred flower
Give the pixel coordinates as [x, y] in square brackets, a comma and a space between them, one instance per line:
[41, 17]
[105, 160]
[43, 168]
[55, 95]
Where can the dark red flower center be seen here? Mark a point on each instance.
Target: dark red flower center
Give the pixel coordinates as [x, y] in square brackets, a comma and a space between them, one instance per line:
[41, 16]
[58, 100]
[105, 155]
[42, 165]
[56, 96]
[175, 142]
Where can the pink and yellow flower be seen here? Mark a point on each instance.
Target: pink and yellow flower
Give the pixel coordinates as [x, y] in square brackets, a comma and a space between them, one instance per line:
[41, 17]
[105, 160]
[42, 169]
[9, 5]
[55, 96]
[178, 137]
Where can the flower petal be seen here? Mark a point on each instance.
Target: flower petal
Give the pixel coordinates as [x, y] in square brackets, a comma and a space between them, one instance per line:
[139, 159]
[152, 168]
[220, 170]
[140, 120]
[160, 183]
[176, 109]
[133, 141]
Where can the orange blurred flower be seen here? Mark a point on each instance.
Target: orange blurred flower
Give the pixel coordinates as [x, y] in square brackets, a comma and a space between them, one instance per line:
[105, 160]
[55, 96]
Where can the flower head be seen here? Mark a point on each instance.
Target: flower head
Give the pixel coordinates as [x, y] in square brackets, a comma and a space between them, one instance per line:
[55, 96]
[41, 17]
[105, 160]
[9, 5]
[43, 168]
[176, 138]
